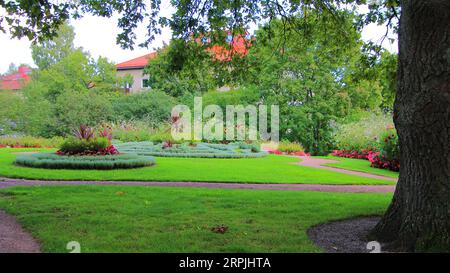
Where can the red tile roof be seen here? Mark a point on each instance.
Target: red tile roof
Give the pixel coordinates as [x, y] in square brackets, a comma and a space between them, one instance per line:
[17, 80]
[139, 62]
[238, 47]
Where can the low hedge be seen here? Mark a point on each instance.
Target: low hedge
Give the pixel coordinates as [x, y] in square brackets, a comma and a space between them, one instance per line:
[108, 162]
[204, 150]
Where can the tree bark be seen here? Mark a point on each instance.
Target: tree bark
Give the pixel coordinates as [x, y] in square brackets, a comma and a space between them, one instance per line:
[418, 219]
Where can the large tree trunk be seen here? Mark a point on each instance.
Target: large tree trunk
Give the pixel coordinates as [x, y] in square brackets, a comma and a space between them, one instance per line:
[418, 218]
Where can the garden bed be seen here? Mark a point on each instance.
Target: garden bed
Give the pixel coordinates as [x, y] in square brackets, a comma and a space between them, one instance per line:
[203, 150]
[108, 162]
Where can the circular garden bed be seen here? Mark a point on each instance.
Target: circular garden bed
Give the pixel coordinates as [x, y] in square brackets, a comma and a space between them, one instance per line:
[104, 162]
[205, 150]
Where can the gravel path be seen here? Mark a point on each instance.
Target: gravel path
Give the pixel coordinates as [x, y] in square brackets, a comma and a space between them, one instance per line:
[10, 182]
[318, 162]
[13, 239]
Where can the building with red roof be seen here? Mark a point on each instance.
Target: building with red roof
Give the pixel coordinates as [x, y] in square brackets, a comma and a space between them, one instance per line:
[17, 80]
[135, 68]
[238, 46]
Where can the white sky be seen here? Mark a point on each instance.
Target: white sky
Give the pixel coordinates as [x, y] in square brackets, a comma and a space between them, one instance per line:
[98, 36]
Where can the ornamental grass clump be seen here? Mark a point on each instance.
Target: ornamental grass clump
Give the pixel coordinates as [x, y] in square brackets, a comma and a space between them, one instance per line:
[290, 147]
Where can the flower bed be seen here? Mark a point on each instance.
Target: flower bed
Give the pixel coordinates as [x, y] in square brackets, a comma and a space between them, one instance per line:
[85, 150]
[379, 160]
[385, 157]
[363, 154]
[108, 162]
[205, 150]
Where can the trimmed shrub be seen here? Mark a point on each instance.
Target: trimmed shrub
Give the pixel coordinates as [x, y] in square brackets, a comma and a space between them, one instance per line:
[205, 150]
[108, 162]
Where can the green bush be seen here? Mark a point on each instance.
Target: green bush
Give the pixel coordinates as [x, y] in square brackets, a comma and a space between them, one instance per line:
[31, 142]
[138, 131]
[74, 145]
[75, 108]
[290, 147]
[153, 107]
[109, 162]
[10, 111]
[243, 96]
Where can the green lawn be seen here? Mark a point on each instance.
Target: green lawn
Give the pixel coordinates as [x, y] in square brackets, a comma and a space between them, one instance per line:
[271, 169]
[359, 165]
[159, 219]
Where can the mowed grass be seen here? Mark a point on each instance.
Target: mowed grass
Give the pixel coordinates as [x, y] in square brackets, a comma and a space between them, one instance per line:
[359, 165]
[160, 219]
[271, 169]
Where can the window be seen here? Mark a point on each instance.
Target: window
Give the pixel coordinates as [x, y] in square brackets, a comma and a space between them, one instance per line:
[146, 83]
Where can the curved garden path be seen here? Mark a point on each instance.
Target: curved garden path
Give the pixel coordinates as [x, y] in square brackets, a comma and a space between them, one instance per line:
[13, 239]
[318, 163]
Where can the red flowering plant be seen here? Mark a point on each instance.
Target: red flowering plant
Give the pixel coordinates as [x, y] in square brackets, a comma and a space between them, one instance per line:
[379, 160]
[167, 144]
[358, 154]
[85, 142]
[389, 155]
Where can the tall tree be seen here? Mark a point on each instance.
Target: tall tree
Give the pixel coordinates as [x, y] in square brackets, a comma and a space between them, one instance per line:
[12, 68]
[419, 215]
[304, 75]
[50, 52]
[417, 219]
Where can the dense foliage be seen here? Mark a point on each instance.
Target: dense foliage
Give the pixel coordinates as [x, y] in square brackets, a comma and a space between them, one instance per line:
[153, 107]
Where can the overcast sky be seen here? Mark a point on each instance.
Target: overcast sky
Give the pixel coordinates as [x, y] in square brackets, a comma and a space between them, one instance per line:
[98, 36]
